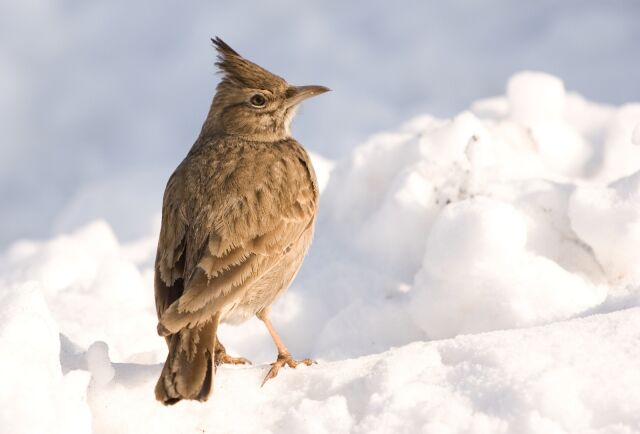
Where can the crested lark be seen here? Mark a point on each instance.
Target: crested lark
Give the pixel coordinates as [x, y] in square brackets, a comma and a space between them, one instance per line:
[237, 219]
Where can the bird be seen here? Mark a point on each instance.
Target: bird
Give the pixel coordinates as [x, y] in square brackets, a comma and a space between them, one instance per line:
[238, 217]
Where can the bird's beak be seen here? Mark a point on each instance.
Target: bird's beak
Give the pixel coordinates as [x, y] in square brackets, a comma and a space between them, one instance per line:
[297, 94]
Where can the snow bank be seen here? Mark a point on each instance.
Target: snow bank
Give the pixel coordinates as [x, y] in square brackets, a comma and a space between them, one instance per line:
[554, 379]
[514, 215]
[35, 397]
[90, 282]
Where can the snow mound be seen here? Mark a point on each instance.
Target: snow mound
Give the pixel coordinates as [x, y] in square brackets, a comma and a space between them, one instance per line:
[482, 215]
[507, 231]
[35, 397]
[477, 275]
[90, 281]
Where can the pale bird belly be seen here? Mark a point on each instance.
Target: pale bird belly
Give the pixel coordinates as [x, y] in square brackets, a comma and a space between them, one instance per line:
[263, 292]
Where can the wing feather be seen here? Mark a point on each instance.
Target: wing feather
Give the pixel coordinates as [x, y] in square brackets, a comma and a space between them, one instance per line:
[253, 213]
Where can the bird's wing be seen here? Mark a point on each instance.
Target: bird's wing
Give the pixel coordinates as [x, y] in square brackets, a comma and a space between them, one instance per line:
[233, 239]
[170, 256]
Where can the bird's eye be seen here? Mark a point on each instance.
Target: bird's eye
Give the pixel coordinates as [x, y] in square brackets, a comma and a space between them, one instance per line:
[258, 100]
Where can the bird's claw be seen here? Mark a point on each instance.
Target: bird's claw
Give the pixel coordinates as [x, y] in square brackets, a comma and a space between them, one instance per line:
[224, 358]
[285, 359]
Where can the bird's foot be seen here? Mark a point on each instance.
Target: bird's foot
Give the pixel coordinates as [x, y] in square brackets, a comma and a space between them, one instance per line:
[223, 358]
[284, 359]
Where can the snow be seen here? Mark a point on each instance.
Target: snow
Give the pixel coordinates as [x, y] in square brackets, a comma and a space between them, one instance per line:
[477, 275]
[607, 218]
[553, 379]
[35, 397]
[536, 98]
[620, 154]
[469, 274]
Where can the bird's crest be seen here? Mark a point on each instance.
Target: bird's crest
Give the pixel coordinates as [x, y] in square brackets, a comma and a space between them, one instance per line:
[239, 71]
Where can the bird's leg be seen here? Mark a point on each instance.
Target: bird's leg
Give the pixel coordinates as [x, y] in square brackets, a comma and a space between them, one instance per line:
[222, 356]
[284, 357]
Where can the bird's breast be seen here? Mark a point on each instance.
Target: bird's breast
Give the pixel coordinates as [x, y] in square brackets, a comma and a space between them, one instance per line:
[271, 285]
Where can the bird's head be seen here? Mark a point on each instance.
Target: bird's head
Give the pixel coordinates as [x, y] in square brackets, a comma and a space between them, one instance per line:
[252, 102]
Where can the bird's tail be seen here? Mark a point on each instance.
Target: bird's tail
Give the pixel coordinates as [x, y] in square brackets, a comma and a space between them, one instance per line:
[189, 370]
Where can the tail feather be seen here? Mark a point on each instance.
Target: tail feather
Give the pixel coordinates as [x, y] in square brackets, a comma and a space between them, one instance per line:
[189, 370]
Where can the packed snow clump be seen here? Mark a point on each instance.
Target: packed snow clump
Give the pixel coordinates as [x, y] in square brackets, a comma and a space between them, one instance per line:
[478, 275]
[636, 135]
[89, 280]
[473, 274]
[35, 396]
[607, 217]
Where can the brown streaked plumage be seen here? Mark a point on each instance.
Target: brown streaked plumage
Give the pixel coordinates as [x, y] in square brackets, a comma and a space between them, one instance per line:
[237, 219]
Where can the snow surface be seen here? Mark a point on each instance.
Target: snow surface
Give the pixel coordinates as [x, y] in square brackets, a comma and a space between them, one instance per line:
[473, 274]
